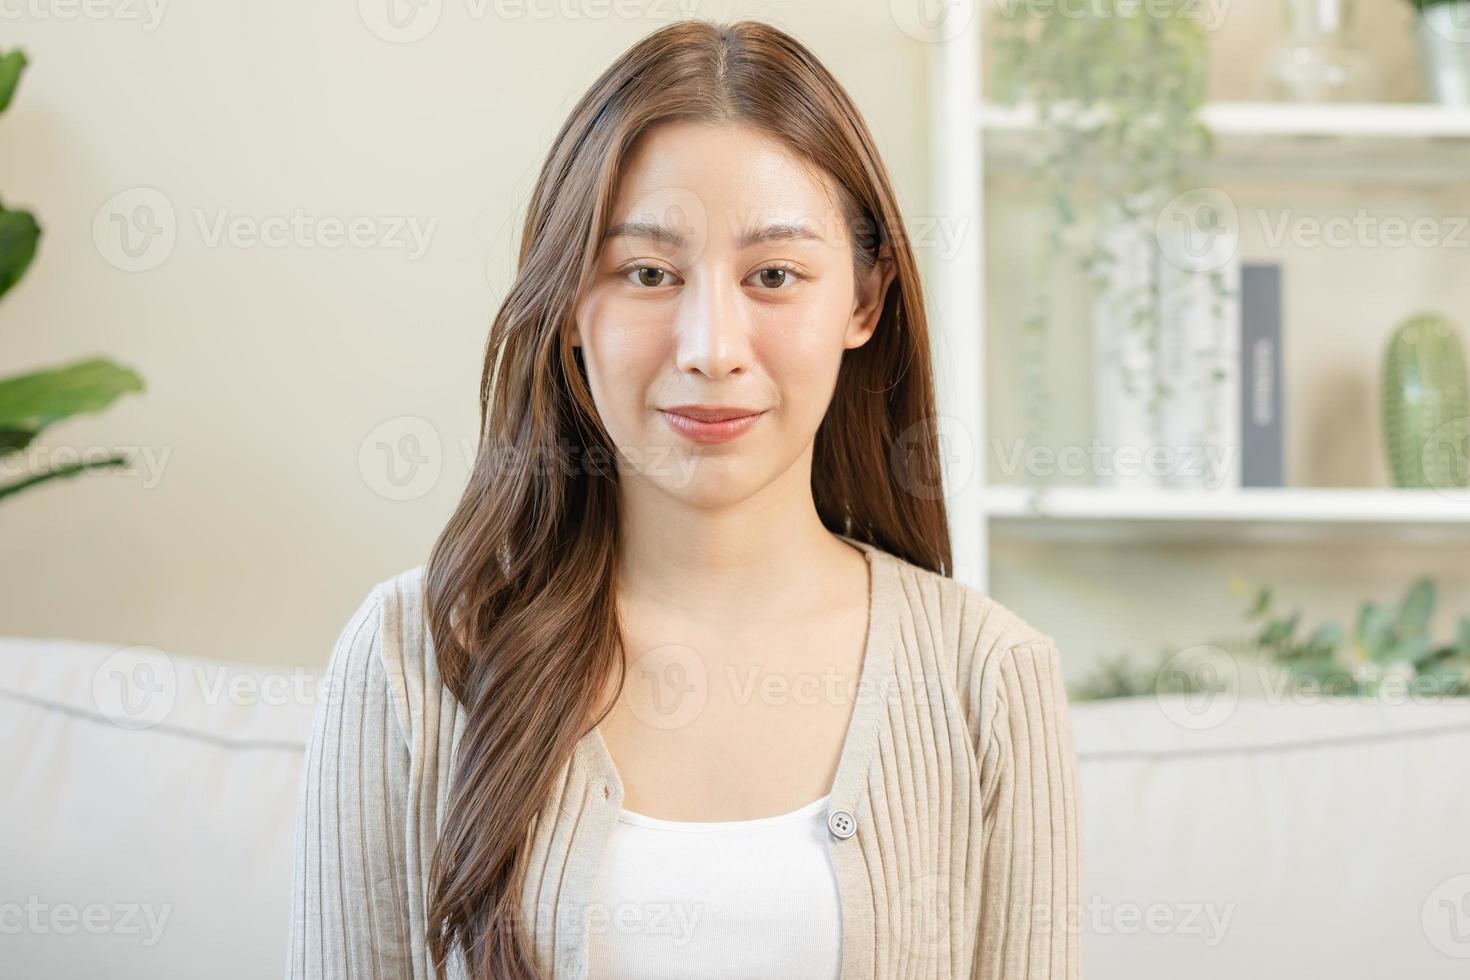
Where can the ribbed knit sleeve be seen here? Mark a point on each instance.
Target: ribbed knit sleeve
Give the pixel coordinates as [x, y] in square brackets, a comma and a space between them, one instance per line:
[349, 909]
[1031, 922]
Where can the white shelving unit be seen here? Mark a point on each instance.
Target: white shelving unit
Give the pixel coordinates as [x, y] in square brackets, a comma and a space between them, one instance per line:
[1401, 142]
[971, 139]
[1407, 122]
[1250, 513]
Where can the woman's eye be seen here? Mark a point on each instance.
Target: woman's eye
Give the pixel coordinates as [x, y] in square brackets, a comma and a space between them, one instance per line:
[649, 275]
[776, 276]
[773, 277]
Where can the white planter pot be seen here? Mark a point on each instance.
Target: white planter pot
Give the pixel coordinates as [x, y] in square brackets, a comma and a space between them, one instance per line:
[1444, 41]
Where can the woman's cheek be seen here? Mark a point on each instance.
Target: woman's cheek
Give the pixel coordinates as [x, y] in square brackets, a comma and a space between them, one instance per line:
[809, 348]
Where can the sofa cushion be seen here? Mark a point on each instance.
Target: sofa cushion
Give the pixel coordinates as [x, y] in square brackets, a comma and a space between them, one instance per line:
[1267, 839]
[148, 811]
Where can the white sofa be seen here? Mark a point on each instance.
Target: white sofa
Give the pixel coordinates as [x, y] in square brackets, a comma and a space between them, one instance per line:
[148, 812]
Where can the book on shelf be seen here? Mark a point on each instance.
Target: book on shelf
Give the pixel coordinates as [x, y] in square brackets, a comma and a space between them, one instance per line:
[1263, 462]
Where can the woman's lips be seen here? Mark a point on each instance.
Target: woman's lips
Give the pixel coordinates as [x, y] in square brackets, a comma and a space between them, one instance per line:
[711, 430]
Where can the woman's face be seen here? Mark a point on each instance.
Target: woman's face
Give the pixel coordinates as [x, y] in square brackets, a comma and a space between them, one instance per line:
[724, 286]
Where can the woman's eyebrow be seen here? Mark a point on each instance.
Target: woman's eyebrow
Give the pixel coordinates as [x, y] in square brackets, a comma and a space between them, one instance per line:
[647, 229]
[779, 233]
[672, 237]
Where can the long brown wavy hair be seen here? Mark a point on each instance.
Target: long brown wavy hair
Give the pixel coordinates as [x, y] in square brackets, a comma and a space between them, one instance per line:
[519, 587]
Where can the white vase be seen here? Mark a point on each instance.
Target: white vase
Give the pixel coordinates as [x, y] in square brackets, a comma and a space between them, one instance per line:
[1124, 361]
[1444, 45]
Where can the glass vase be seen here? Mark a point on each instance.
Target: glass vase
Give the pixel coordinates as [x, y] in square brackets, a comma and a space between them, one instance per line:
[1318, 62]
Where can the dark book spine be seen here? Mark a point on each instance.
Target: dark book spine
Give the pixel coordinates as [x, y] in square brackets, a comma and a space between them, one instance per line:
[1262, 436]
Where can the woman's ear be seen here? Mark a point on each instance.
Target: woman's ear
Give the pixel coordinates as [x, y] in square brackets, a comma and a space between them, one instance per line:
[872, 290]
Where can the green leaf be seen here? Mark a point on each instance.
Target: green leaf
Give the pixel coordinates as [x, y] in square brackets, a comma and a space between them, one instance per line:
[1332, 675]
[1446, 677]
[1412, 648]
[1417, 607]
[13, 440]
[1324, 641]
[1375, 632]
[1278, 632]
[19, 235]
[11, 65]
[61, 472]
[30, 402]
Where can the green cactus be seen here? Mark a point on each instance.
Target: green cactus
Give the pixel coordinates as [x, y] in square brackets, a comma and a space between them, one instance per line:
[1425, 403]
[31, 402]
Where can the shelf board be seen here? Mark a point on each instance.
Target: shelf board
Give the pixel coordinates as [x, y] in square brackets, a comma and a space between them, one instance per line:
[1406, 142]
[1253, 513]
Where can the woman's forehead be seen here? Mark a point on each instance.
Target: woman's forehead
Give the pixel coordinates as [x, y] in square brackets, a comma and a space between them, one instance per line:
[726, 180]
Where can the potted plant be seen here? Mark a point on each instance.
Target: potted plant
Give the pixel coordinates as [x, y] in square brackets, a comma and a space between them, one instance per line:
[1444, 44]
[32, 401]
[1118, 99]
[1388, 652]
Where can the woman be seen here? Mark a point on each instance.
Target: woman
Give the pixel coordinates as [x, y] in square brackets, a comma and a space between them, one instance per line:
[685, 688]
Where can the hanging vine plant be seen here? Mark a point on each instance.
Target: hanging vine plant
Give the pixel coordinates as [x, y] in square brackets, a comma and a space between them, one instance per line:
[1118, 94]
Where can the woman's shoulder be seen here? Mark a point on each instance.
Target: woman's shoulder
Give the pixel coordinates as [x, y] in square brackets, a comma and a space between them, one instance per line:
[954, 609]
[390, 629]
[963, 632]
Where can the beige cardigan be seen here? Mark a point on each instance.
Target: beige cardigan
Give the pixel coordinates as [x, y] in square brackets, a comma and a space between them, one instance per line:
[959, 856]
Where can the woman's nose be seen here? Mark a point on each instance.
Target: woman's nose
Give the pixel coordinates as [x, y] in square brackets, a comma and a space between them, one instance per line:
[713, 329]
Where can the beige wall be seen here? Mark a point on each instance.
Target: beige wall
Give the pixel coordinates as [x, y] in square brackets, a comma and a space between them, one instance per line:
[254, 524]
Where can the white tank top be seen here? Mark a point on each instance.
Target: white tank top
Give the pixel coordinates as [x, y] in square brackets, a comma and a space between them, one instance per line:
[716, 900]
